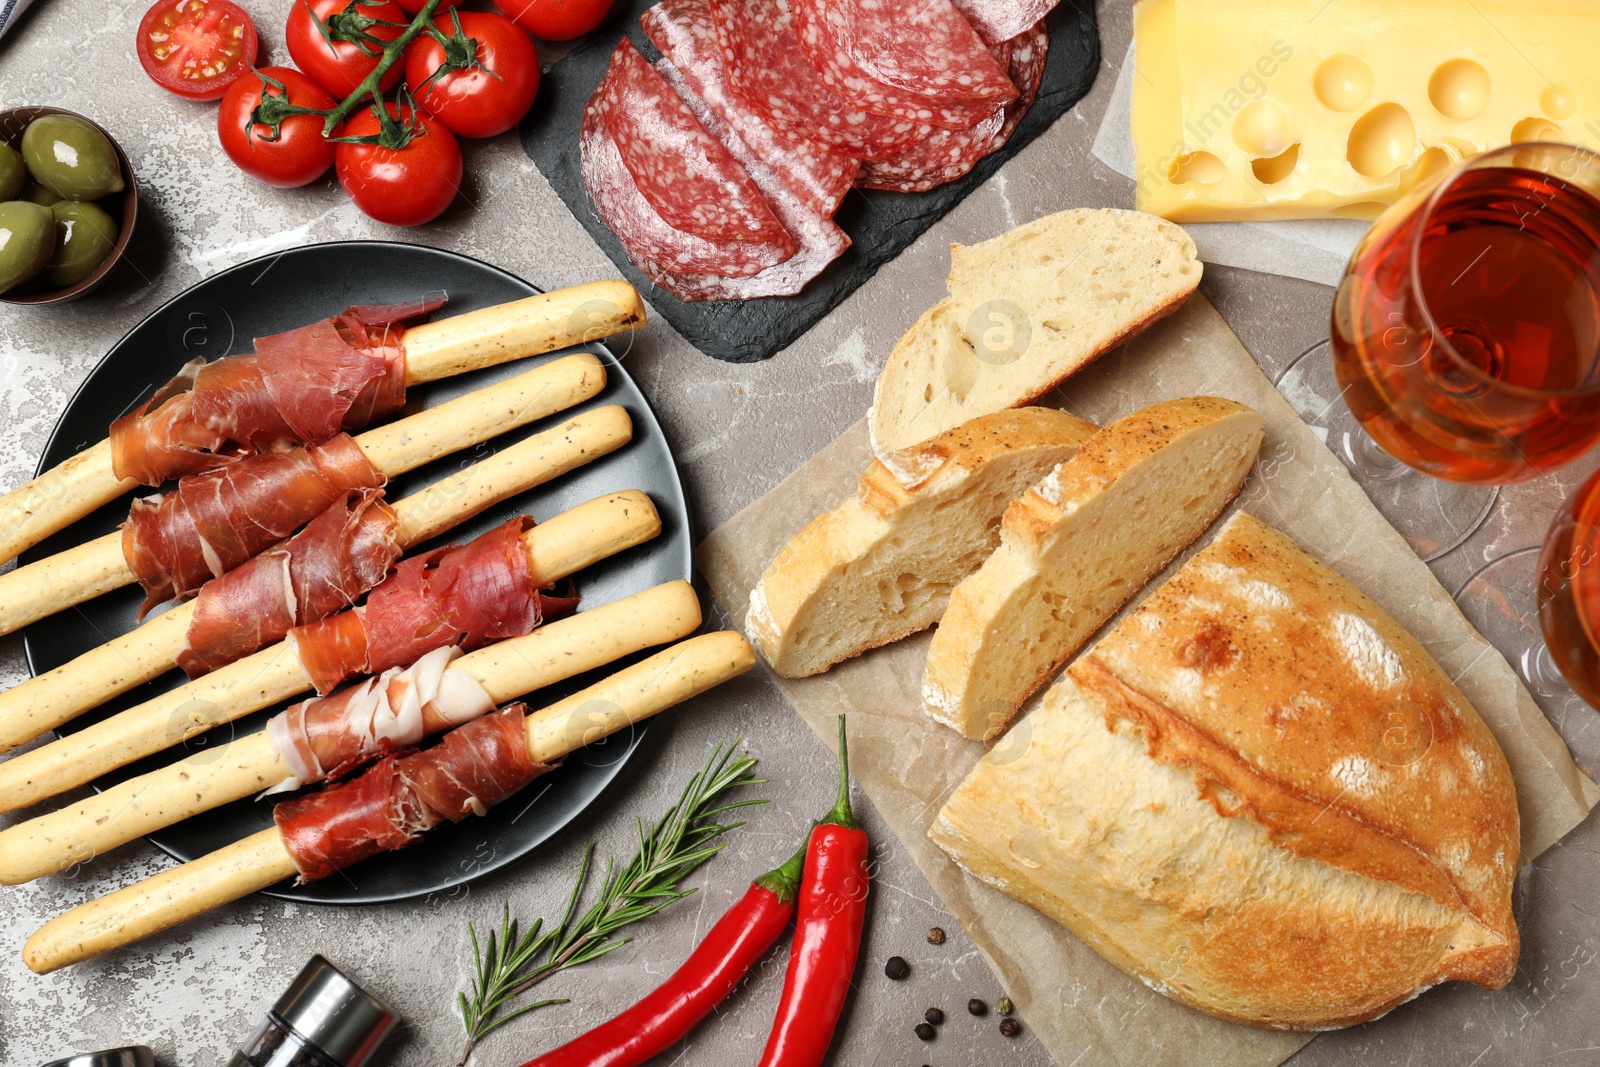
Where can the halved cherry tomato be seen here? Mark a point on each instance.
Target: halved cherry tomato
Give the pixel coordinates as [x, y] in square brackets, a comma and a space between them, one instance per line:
[490, 73]
[556, 20]
[196, 48]
[293, 155]
[403, 186]
[357, 30]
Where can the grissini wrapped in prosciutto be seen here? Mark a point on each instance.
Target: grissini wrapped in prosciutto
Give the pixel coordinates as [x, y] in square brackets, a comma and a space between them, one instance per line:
[208, 525]
[253, 763]
[388, 807]
[400, 798]
[301, 387]
[464, 595]
[213, 522]
[430, 351]
[326, 567]
[585, 533]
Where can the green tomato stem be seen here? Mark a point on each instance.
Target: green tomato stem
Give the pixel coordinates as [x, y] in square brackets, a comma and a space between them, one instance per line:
[369, 85]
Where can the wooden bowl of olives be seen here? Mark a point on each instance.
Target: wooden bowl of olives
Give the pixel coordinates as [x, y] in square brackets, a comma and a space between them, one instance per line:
[68, 202]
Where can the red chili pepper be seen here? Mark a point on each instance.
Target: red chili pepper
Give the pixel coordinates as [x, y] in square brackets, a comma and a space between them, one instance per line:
[827, 935]
[712, 971]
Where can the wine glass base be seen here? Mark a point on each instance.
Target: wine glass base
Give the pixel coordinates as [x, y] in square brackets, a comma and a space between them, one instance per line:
[1501, 601]
[1434, 516]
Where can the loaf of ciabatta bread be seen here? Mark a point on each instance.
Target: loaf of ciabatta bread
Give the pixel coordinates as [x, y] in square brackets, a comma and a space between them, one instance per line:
[1076, 546]
[1259, 795]
[1027, 309]
[882, 564]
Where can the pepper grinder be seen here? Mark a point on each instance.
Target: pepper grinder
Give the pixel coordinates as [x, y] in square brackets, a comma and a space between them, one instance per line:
[131, 1056]
[322, 1020]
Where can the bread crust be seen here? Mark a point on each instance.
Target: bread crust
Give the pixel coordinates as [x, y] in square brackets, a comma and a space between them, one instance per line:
[1260, 775]
[1033, 603]
[808, 570]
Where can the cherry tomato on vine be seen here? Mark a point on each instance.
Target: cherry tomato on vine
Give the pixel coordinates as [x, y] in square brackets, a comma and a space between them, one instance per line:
[410, 175]
[414, 7]
[286, 150]
[196, 48]
[356, 30]
[556, 20]
[481, 79]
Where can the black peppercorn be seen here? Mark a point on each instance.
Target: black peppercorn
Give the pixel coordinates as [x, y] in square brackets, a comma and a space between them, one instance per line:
[925, 1031]
[897, 968]
[977, 1007]
[1010, 1027]
[934, 1016]
[936, 936]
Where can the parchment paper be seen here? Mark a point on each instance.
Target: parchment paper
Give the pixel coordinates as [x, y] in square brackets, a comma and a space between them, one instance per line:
[1313, 249]
[1082, 1009]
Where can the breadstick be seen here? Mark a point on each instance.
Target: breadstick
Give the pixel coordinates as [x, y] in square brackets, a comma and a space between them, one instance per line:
[485, 338]
[260, 860]
[561, 547]
[58, 582]
[149, 651]
[208, 779]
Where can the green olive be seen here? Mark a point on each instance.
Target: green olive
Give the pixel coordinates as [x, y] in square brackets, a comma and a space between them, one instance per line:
[13, 172]
[27, 240]
[37, 193]
[71, 157]
[85, 235]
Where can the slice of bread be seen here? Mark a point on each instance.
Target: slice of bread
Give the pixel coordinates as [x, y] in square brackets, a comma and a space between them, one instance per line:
[1027, 309]
[881, 565]
[1075, 547]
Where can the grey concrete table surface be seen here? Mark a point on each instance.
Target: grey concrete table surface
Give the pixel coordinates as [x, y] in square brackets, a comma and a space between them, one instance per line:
[195, 992]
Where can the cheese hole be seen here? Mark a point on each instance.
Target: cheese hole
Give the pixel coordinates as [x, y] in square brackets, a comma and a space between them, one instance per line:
[1535, 128]
[1381, 141]
[1276, 168]
[1201, 167]
[1342, 82]
[1262, 128]
[1459, 89]
[1431, 162]
[1558, 101]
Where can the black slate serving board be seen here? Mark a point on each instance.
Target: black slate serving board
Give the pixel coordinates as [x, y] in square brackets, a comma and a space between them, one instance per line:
[880, 224]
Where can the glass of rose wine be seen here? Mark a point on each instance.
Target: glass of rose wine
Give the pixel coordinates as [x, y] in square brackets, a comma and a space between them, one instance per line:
[1466, 332]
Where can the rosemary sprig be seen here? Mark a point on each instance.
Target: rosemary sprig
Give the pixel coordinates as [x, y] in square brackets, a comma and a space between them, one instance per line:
[512, 962]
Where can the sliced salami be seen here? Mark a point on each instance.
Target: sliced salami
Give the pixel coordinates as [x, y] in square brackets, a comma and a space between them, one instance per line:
[821, 242]
[684, 172]
[769, 71]
[1002, 20]
[914, 60]
[657, 247]
[685, 32]
[949, 154]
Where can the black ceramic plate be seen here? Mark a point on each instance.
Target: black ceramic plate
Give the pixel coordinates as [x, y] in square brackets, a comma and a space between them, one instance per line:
[221, 315]
[880, 224]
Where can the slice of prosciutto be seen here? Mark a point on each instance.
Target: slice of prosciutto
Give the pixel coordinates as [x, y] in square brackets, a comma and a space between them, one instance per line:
[324, 568]
[399, 799]
[325, 736]
[913, 60]
[685, 32]
[210, 523]
[767, 68]
[948, 154]
[685, 173]
[1001, 20]
[299, 387]
[465, 596]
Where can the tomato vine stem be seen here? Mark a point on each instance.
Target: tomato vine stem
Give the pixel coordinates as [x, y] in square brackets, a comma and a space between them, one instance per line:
[369, 85]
